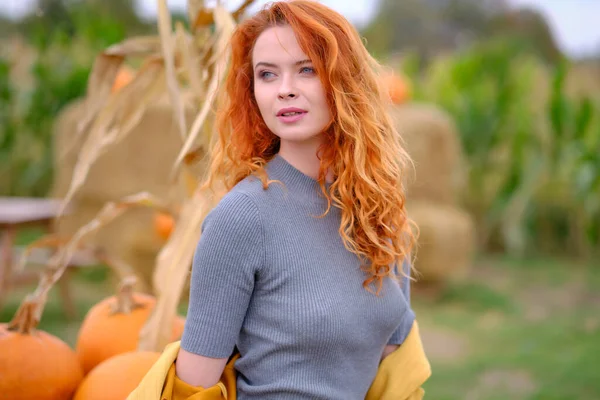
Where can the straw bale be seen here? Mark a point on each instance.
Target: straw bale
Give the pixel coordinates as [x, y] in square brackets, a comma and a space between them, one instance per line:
[446, 242]
[431, 139]
[65, 146]
[141, 162]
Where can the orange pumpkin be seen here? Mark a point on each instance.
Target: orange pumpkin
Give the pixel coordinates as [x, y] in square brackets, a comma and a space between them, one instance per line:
[35, 364]
[398, 88]
[113, 326]
[124, 76]
[116, 377]
[164, 224]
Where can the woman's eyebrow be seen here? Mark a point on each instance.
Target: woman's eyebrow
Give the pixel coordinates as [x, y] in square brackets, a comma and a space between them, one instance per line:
[272, 65]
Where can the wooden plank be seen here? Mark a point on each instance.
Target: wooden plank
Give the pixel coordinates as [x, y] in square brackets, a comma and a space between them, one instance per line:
[21, 210]
[41, 256]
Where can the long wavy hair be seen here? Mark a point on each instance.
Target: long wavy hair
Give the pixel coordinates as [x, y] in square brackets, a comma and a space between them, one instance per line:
[361, 146]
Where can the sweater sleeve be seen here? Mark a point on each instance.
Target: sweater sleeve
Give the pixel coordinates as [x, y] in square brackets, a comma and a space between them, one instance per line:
[408, 318]
[228, 255]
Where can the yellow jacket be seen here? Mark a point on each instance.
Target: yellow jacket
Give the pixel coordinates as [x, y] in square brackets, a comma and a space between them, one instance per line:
[400, 377]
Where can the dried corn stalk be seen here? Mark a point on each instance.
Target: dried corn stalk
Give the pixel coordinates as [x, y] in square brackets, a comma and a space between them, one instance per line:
[105, 71]
[174, 260]
[46, 241]
[168, 52]
[224, 24]
[121, 113]
[67, 248]
[188, 67]
[172, 269]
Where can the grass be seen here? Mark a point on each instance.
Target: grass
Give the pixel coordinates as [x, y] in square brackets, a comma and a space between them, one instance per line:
[531, 329]
[515, 329]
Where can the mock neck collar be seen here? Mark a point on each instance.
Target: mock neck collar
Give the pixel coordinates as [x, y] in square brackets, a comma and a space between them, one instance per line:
[297, 184]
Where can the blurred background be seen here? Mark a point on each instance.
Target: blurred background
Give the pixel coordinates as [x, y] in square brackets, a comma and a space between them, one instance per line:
[498, 102]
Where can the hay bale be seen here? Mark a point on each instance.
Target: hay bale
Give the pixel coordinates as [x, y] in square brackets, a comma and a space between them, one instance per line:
[141, 162]
[65, 147]
[446, 244]
[431, 139]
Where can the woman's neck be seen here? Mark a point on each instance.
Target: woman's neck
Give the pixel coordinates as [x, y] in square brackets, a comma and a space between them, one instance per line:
[303, 157]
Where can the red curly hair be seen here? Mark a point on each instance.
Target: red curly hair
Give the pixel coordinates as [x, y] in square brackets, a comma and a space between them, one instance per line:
[361, 146]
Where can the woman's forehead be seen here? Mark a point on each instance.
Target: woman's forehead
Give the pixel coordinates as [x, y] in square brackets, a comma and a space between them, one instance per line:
[278, 45]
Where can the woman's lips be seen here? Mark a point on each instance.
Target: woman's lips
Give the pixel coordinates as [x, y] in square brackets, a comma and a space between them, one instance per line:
[295, 117]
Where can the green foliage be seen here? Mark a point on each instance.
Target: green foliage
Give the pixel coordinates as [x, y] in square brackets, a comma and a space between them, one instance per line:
[98, 23]
[477, 298]
[574, 158]
[532, 150]
[26, 131]
[64, 42]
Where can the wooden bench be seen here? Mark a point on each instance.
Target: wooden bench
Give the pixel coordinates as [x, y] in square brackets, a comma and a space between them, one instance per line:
[17, 213]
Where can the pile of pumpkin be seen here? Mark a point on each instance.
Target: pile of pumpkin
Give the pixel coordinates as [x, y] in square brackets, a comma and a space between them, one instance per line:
[105, 364]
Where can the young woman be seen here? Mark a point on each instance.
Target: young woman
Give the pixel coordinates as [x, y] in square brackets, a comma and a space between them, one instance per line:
[303, 265]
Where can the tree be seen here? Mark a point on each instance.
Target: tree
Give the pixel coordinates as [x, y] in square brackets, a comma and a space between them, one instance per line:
[400, 25]
[431, 26]
[531, 28]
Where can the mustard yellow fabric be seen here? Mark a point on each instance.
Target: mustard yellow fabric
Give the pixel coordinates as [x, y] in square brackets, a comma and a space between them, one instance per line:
[401, 374]
[400, 377]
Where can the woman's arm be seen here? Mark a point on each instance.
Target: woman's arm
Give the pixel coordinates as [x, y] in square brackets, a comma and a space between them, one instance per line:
[389, 349]
[228, 256]
[197, 370]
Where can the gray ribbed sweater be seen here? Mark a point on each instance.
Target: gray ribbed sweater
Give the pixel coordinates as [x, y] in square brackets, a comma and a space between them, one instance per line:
[277, 282]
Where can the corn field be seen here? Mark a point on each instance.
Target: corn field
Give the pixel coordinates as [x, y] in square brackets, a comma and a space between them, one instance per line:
[532, 147]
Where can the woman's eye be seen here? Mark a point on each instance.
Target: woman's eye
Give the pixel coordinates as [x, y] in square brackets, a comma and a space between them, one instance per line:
[309, 70]
[265, 74]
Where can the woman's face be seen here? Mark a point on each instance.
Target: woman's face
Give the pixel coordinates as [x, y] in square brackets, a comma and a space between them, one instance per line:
[289, 94]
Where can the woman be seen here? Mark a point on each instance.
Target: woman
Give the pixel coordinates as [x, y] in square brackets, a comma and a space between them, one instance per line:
[297, 265]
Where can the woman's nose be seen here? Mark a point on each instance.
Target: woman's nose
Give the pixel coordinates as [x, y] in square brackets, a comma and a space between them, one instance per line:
[287, 89]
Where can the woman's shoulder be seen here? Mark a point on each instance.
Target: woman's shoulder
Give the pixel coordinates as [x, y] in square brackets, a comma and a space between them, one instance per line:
[248, 202]
[252, 189]
[241, 204]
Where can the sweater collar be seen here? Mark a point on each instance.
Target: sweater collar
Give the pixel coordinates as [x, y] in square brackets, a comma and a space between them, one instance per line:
[297, 184]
